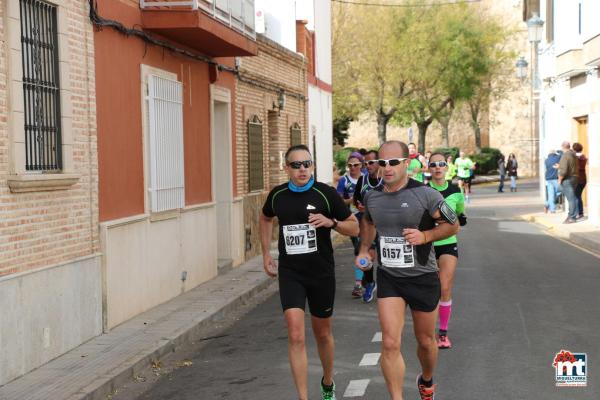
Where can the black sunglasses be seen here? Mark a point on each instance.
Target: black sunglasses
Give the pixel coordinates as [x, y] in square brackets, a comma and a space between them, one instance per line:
[392, 162]
[298, 164]
[371, 162]
[440, 164]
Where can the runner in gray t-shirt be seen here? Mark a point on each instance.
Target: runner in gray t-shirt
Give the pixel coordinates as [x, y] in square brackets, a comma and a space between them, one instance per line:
[391, 213]
[408, 217]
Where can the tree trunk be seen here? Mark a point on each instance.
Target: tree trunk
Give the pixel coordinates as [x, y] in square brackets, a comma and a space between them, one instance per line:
[423, 134]
[477, 130]
[382, 121]
[476, 126]
[445, 123]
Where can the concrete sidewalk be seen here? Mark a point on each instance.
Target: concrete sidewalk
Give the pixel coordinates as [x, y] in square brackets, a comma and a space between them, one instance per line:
[583, 233]
[93, 370]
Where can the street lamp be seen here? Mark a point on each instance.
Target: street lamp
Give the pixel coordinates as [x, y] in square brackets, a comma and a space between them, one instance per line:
[535, 27]
[522, 65]
[535, 30]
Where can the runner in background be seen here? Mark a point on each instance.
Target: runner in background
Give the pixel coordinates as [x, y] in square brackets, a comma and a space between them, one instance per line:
[365, 184]
[346, 187]
[417, 164]
[446, 250]
[451, 173]
[427, 174]
[464, 167]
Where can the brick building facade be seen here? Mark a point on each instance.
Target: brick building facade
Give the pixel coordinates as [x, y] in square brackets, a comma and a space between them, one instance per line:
[50, 277]
[275, 77]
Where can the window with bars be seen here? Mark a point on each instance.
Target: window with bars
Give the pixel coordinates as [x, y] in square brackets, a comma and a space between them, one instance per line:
[165, 127]
[295, 134]
[255, 154]
[41, 86]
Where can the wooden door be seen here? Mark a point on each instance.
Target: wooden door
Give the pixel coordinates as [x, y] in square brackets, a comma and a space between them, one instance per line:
[582, 137]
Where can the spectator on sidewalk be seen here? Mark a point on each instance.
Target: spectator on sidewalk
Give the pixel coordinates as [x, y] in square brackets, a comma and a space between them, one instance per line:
[581, 177]
[502, 172]
[512, 167]
[567, 178]
[552, 189]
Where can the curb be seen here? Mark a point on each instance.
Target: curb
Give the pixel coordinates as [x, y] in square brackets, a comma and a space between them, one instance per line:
[96, 369]
[575, 238]
[588, 244]
[533, 219]
[103, 389]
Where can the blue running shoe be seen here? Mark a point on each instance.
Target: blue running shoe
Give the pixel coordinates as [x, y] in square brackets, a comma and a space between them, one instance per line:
[369, 292]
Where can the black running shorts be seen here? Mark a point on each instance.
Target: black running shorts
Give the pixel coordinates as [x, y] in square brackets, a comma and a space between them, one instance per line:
[295, 289]
[450, 249]
[421, 293]
[466, 180]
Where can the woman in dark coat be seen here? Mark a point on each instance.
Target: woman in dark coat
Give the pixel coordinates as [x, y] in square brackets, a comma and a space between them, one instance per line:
[511, 166]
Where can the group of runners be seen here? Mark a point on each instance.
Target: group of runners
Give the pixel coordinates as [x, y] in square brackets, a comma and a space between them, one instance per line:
[406, 227]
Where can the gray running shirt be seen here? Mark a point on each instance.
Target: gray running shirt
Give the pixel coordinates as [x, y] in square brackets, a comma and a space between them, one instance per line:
[410, 207]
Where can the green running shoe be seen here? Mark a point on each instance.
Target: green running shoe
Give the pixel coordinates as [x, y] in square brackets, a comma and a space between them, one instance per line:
[327, 393]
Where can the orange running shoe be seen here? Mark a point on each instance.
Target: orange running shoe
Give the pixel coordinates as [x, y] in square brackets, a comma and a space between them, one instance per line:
[426, 393]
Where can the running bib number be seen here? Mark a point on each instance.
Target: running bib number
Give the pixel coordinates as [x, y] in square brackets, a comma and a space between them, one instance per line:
[300, 239]
[396, 252]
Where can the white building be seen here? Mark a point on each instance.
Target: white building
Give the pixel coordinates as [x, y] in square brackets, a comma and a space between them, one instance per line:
[276, 19]
[569, 57]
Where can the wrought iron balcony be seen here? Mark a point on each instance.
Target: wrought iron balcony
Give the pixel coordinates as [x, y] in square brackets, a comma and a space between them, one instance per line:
[192, 22]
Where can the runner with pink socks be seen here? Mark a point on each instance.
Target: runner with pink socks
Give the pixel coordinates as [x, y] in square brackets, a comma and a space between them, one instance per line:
[446, 251]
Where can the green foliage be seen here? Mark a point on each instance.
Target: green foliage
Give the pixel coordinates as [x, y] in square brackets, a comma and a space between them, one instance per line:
[453, 151]
[407, 65]
[487, 160]
[340, 158]
[341, 124]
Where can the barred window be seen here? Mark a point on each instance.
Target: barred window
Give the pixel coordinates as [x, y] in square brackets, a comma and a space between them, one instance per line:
[41, 87]
[255, 154]
[165, 123]
[295, 134]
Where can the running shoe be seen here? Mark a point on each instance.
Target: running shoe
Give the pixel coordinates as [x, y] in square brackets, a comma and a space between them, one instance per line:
[426, 393]
[357, 291]
[327, 393]
[369, 292]
[443, 342]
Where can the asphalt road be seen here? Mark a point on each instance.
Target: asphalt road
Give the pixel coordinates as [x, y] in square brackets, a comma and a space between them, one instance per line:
[520, 297]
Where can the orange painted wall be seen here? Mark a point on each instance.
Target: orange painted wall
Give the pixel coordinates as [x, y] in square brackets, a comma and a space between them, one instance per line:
[119, 115]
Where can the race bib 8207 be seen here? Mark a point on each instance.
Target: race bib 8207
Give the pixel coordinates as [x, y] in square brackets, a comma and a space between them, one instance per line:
[300, 239]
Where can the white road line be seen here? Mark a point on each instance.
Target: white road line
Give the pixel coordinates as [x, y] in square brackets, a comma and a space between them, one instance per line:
[377, 337]
[357, 388]
[369, 359]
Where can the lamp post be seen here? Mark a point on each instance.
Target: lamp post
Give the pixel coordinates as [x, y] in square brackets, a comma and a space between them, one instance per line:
[522, 65]
[535, 30]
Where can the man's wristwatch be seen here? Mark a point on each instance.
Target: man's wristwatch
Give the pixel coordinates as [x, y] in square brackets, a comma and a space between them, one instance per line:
[335, 223]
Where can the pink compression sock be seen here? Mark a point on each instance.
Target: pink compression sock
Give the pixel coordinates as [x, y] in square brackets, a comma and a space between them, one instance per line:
[445, 312]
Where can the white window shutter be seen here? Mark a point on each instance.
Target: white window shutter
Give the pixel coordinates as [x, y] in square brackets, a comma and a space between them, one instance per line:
[165, 112]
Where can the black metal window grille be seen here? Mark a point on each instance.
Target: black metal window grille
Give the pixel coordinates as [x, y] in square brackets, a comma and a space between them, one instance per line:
[255, 154]
[41, 88]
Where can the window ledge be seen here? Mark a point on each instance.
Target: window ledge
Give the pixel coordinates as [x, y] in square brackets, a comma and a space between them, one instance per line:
[41, 182]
